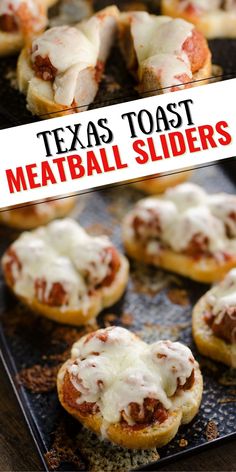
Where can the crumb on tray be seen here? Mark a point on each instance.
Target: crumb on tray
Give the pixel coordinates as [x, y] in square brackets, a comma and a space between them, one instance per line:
[211, 430]
[183, 442]
[38, 379]
[64, 449]
[178, 296]
[112, 458]
[127, 319]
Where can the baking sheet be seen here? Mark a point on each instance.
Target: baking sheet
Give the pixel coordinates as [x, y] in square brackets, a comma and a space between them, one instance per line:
[156, 305]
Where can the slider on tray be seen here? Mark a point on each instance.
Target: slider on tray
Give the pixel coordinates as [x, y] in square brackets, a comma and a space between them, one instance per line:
[20, 20]
[134, 394]
[214, 321]
[186, 231]
[214, 18]
[63, 273]
[163, 54]
[158, 184]
[37, 214]
[61, 70]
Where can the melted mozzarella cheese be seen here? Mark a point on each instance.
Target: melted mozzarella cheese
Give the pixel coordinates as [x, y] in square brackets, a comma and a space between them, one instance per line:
[192, 222]
[223, 206]
[73, 50]
[60, 252]
[29, 15]
[168, 68]
[118, 369]
[150, 208]
[8, 7]
[118, 339]
[186, 196]
[223, 295]
[70, 239]
[100, 30]
[41, 262]
[158, 43]
[175, 363]
[143, 30]
[155, 217]
[65, 46]
[186, 211]
[170, 37]
[201, 5]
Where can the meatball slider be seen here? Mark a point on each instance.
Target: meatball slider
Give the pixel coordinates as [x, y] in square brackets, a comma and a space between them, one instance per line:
[133, 394]
[163, 54]
[214, 321]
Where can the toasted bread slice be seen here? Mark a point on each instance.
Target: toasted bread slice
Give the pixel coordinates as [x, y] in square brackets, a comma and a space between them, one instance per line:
[40, 93]
[100, 299]
[49, 3]
[38, 214]
[10, 43]
[184, 407]
[205, 269]
[64, 273]
[207, 343]
[156, 185]
[184, 230]
[154, 435]
[215, 23]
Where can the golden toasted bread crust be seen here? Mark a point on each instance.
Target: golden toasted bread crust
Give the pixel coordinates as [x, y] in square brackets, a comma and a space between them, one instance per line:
[207, 343]
[218, 23]
[49, 3]
[19, 218]
[204, 269]
[10, 43]
[102, 298]
[155, 435]
[156, 185]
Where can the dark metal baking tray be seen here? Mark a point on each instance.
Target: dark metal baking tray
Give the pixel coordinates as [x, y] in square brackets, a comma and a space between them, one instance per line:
[156, 305]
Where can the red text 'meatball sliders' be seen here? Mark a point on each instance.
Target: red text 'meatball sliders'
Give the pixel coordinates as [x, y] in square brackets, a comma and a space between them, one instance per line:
[64, 273]
[186, 231]
[62, 69]
[134, 394]
[214, 321]
[164, 54]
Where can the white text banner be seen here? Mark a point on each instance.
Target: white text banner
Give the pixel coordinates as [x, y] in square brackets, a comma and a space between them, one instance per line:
[77, 152]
